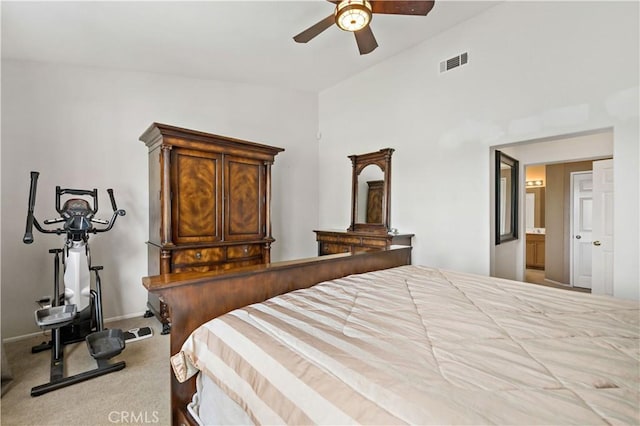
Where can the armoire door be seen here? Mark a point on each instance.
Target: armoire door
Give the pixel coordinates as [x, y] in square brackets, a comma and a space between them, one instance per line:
[196, 200]
[244, 199]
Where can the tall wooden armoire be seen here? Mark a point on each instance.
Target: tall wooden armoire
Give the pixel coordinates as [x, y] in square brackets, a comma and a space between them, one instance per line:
[209, 204]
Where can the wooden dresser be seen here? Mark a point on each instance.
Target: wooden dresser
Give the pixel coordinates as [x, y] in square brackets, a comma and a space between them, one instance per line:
[209, 204]
[333, 242]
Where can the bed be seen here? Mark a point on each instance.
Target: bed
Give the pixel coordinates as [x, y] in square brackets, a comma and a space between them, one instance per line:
[380, 341]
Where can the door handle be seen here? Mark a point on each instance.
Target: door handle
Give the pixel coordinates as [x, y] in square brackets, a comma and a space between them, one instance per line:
[596, 243]
[578, 237]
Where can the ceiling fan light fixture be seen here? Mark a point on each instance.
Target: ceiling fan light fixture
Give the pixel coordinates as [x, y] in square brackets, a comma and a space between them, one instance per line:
[353, 15]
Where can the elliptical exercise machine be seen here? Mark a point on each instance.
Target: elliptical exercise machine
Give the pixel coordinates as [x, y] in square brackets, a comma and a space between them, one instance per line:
[74, 314]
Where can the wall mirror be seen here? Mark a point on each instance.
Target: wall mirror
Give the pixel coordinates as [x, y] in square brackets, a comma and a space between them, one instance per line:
[506, 198]
[534, 204]
[370, 191]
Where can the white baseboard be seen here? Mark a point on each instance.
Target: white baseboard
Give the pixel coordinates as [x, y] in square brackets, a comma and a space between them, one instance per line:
[46, 334]
[557, 283]
[123, 317]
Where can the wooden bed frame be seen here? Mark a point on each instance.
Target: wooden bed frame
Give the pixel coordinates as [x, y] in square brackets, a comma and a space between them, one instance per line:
[197, 297]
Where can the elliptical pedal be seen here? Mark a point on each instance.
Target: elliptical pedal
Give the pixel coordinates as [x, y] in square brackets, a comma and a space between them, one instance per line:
[105, 344]
[135, 334]
[55, 316]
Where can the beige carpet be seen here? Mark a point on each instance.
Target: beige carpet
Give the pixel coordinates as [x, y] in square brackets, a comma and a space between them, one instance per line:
[139, 394]
[535, 276]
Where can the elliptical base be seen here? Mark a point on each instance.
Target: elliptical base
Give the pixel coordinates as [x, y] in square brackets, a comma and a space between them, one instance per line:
[104, 367]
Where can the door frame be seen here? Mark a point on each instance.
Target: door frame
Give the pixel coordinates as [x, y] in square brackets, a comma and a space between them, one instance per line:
[603, 241]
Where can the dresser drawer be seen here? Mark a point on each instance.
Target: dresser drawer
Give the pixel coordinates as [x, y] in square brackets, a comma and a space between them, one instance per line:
[375, 242]
[329, 248]
[196, 256]
[199, 268]
[341, 239]
[240, 263]
[243, 250]
[361, 249]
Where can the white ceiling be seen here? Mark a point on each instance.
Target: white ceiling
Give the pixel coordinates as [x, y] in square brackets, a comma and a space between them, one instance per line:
[239, 41]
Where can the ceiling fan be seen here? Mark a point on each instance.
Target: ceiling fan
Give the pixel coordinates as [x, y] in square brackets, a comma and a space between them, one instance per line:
[355, 16]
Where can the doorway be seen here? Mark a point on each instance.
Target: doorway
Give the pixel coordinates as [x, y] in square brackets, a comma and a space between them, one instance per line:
[559, 156]
[559, 218]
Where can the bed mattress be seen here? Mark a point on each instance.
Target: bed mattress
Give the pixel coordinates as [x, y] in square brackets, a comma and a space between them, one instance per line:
[420, 345]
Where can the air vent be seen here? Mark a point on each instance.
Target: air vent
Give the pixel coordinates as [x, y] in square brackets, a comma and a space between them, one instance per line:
[454, 62]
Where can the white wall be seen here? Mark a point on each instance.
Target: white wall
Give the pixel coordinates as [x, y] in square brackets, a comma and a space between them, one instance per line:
[79, 127]
[536, 69]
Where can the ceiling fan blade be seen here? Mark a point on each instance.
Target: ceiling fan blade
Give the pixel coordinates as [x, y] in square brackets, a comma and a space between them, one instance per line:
[314, 30]
[397, 7]
[366, 41]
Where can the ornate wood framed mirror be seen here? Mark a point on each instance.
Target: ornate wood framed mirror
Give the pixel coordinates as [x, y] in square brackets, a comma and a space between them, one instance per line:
[371, 192]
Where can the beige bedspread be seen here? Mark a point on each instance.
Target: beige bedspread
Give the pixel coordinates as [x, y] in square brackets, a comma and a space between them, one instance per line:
[425, 346]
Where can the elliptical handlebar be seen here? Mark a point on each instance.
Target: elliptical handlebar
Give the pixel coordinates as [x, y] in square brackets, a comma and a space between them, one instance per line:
[56, 220]
[32, 221]
[116, 212]
[28, 233]
[113, 200]
[114, 216]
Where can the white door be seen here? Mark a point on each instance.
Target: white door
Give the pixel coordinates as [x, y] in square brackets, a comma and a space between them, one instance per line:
[581, 228]
[602, 271]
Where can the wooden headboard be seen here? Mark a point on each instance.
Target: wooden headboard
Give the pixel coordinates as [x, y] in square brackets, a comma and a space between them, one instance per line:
[197, 297]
